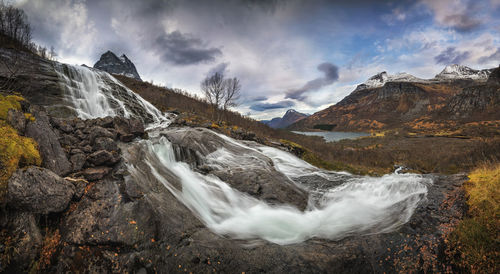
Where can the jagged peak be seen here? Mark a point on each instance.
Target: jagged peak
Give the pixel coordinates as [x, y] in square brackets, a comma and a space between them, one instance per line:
[117, 65]
[456, 71]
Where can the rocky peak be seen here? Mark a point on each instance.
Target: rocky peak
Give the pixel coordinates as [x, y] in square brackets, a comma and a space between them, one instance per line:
[111, 63]
[456, 71]
[291, 116]
[379, 80]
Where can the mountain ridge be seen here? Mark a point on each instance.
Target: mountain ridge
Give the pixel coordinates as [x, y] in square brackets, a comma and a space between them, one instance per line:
[458, 93]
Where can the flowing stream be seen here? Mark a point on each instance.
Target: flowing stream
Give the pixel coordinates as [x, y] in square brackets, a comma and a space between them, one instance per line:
[345, 205]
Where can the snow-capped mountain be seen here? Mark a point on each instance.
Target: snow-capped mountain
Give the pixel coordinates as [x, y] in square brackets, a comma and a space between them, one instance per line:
[462, 72]
[111, 63]
[381, 78]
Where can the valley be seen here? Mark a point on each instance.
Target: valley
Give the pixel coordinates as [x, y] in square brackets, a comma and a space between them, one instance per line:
[103, 171]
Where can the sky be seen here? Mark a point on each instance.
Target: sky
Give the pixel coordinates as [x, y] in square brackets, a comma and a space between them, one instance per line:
[305, 55]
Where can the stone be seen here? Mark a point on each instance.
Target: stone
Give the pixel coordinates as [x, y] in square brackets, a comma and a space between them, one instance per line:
[136, 127]
[78, 161]
[105, 143]
[53, 155]
[102, 157]
[95, 173]
[97, 131]
[28, 242]
[16, 119]
[39, 190]
[106, 122]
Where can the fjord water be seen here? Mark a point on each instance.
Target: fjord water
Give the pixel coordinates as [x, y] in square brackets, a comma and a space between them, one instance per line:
[341, 206]
[332, 136]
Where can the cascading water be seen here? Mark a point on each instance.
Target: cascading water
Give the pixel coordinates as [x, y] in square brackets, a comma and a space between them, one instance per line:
[356, 205]
[96, 93]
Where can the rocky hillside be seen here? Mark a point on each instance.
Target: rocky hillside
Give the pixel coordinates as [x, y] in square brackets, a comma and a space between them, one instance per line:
[111, 63]
[458, 93]
[290, 117]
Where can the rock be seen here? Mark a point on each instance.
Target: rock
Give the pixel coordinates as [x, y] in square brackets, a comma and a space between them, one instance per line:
[97, 131]
[86, 148]
[76, 151]
[78, 161]
[136, 127]
[62, 124]
[102, 157]
[17, 120]
[106, 122]
[128, 129]
[95, 173]
[80, 185]
[53, 156]
[28, 242]
[105, 143]
[39, 190]
[248, 172]
[68, 140]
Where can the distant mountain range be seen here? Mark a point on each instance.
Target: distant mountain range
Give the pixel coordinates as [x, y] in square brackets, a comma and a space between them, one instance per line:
[457, 93]
[111, 63]
[290, 117]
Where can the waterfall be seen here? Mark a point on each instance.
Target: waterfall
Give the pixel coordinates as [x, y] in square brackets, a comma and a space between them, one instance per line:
[357, 205]
[95, 93]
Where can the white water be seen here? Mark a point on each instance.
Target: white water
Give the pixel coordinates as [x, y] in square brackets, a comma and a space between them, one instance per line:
[360, 205]
[95, 93]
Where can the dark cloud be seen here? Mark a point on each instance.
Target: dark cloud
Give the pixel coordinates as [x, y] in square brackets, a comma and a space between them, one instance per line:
[462, 16]
[184, 49]
[267, 106]
[493, 57]
[259, 98]
[451, 56]
[220, 68]
[331, 75]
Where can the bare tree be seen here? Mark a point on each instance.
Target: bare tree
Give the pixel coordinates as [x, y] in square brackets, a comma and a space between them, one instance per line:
[213, 88]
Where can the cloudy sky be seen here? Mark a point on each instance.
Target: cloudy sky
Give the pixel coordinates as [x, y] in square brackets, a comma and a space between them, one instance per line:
[296, 54]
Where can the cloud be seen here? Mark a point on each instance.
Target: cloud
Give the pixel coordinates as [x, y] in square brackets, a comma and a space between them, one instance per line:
[267, 106]
[184, 49]
[331, 75]
[219, 68]
[451, 56]
[493, 57]
[457, 14]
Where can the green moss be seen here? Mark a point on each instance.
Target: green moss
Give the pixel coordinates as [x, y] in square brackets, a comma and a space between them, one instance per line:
[8, 102]
[15, 151]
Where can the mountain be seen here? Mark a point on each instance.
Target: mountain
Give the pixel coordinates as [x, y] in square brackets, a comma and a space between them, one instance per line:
[381, 78]
[389, 101]
[111, 63]
[462, 72]
[290, 117]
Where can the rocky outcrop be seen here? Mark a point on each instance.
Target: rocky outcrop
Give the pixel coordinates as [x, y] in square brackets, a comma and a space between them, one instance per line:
[53, 156]
[38, 190]
[250, 172]
[109, 62]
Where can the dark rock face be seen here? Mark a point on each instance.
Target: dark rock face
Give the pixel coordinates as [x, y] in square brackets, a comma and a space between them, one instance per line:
[53, 155]
[251, 173]
[482, 101]
[39, 190]
[109, 62]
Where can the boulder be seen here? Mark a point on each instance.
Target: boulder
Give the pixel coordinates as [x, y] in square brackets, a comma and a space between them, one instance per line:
[128, 129]
[95, 173]
[53, 155]
[28, 239]
[78, 161]
[105, 143]
[16, 119]
[39, 190]
[97, 131]
[102, 157]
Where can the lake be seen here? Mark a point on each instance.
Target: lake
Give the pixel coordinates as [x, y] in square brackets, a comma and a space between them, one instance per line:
[332, 136]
